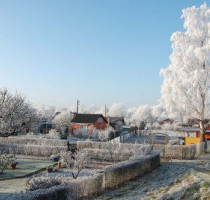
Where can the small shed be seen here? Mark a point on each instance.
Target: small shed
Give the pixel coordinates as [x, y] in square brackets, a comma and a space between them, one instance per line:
[116, 122]
[192, 135]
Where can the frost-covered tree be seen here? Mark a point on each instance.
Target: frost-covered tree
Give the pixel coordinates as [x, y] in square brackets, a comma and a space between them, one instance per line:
[46, 112]
[144, 113]
[117, 110]
[75, 161]
[141, 114]
[114, 150]
[63, 118]
[129, 115]
[185, 90]
[16, 114]
[158, 113]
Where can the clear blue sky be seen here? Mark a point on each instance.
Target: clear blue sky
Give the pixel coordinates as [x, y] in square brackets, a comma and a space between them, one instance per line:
[98, 51]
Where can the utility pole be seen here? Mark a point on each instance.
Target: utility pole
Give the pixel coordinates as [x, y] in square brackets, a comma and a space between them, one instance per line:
[78, 106]
[105, 110]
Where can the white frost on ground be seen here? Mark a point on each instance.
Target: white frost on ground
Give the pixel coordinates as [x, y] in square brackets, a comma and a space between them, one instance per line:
[67, 173]
[169, 181]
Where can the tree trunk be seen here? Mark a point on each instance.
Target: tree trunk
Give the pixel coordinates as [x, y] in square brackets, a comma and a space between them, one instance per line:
[202, 136]
[202, 131]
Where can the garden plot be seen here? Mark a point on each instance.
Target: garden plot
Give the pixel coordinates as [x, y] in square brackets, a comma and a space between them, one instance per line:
[25, 167]
[66, 173]
[95, 175]
[57, 177]
[84, 173]
[11, 186]
[72, 166]
[11, 181]
[94, 164]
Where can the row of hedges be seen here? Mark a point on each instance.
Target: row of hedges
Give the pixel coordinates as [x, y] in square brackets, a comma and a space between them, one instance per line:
[33, 141]
[108, 151]
[103, 145]
[180, 151]
[111, 177]
[103, 154]
[31, 150]
[171, 151]
[127, 170]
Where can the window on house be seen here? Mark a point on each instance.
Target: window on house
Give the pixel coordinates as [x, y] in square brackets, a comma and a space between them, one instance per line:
[100, 120]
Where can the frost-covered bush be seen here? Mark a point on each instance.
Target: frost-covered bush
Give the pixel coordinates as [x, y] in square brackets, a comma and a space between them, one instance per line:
[5, 161]
[44, 151]
[53, 134]
[31, 135]
[75, 161]
[181, 151]
[46, 182]
[76, 188]
[112, 148]
[109, 151]
[102, 155]
[105, 135]
[32, 150]
[141, 151]
[114, 155]
[123, 152]
[33, 146]
[66, 159]
[33, 141]
[86, 186]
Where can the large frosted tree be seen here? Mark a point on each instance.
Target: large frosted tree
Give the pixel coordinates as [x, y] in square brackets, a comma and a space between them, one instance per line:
[186, 86]
[16, 114]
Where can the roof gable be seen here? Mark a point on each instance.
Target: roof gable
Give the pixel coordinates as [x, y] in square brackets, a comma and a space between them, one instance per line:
[87, 118]
[115, 119]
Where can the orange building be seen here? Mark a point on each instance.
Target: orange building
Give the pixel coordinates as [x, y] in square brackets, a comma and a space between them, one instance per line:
[207, 134]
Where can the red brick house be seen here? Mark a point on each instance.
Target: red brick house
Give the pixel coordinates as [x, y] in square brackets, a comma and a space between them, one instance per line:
[89, 121]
